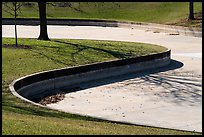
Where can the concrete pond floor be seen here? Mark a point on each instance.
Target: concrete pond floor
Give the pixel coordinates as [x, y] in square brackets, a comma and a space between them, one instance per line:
[169, 97]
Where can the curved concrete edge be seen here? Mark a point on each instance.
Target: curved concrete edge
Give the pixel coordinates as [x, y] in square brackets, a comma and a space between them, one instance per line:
[15, 93]
[38, 85]
[170, 29]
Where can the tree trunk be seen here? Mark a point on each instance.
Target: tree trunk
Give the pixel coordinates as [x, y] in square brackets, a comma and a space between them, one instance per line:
[191, 12]
[15, 25]
[43, 21]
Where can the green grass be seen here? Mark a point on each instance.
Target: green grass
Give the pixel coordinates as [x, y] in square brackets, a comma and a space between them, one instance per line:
[35, 125]
[61, 53]
[155, 12]
[19, 117]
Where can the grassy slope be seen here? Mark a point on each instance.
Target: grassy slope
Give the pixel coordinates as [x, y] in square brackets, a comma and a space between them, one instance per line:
[19, 117]
[155, 12]
[35, 125]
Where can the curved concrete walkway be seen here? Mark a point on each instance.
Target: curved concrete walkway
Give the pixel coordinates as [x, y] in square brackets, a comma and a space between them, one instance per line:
[168, 98]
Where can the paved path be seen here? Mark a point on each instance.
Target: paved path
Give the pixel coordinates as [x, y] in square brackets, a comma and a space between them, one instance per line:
[170, 97]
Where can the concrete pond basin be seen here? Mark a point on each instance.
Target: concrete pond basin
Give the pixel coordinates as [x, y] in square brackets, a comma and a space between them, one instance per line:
[166, 97]
[127, 91]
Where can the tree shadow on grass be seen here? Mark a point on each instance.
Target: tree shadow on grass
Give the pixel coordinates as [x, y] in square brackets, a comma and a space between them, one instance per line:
[57, 54]
[80, 48]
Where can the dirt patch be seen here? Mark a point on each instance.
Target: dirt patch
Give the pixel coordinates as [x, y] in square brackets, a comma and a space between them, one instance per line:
[52, 99]
[13, 46]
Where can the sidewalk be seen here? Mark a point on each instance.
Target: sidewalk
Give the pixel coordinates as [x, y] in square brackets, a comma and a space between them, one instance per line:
[156, 28]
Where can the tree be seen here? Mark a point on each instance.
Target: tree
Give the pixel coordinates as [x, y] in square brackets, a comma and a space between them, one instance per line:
[13, 9]
[43, 21]
[42, 13]
[191, 11]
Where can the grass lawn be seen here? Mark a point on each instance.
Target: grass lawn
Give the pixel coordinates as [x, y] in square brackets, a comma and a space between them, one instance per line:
[19, 117]
[156, 12]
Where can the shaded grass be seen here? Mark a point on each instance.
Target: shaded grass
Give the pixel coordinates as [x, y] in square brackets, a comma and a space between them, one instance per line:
[19, 117]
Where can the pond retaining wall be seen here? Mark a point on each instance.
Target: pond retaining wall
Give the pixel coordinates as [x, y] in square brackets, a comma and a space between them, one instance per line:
[36, 86]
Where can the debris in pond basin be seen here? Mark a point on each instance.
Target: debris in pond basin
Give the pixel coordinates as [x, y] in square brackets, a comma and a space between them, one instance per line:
[52, 99]
[57, 97]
